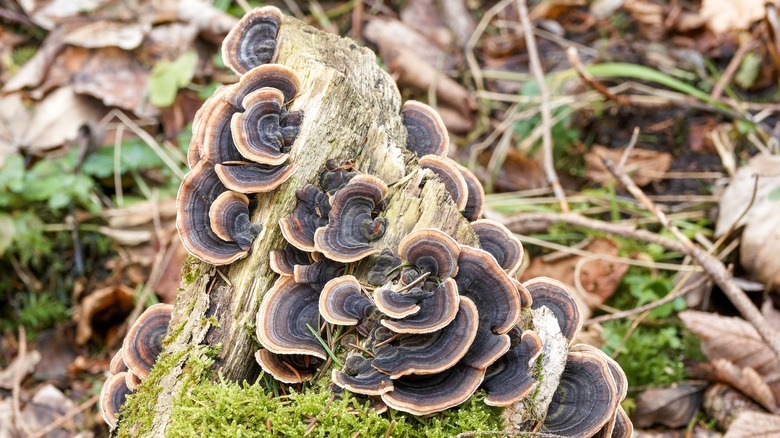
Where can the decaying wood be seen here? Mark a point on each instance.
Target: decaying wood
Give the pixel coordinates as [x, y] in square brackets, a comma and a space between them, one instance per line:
[351, 111]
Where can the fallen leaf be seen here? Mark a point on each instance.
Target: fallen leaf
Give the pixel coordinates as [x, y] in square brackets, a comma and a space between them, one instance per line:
[168, 41]
[103, 306]
[48, 14]
[724, 404]
[459, 20]
[733, 339]
[389, 34]
[140, 213]
[671, 407]
[598, 278]
[17, 367]
[205, 16]
[519, 172]
[115, 77]
[52, 122]
[47, 405]
[34, 71]
[61, 71]
[58, 354]
[754, 425]
[424, 17]
[746, 380]
[127, 36]
[726, 15]
[761, 236]
[643, 165]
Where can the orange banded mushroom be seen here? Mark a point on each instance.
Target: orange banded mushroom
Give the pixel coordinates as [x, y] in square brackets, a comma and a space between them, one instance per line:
[257, 132]
[435, 311]
[351, 225]
[252, 41]
[426, 394]
[286, 313]
[310, 213]
[496, 239]
[585, 399]
[277, 76]
[283, 261]
[475, 203]
[197, 192]
[431, 250]
[360, 377]
[342, 301]
[117, 364]
[143, 342]
[229, 218]
[318, 273]
[433, 352]
[508, 380]
[385, 268]
[450, 175]
[426, 132]
[555, 296]
[288, 368]
[399, 304]
[112, 397]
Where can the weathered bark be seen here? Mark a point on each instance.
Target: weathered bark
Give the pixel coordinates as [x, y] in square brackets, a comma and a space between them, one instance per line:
[351, 110]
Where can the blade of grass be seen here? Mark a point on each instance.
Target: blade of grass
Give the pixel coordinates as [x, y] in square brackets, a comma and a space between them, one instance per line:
[325, 346]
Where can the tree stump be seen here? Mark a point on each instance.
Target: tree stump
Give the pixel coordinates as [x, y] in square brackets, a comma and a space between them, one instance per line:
[351, 111]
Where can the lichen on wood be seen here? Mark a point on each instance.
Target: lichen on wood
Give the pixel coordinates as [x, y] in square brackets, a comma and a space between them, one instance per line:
[351, 111]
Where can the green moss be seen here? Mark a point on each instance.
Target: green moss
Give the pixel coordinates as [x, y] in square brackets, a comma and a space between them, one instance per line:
[174, 333]
[225, 408]
[210, 320]
[190, 271]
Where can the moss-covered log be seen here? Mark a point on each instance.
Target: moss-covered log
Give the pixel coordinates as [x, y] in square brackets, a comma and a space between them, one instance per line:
[351, 111]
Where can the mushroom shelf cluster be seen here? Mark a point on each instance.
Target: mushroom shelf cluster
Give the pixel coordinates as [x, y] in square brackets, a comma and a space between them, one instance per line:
[132, 363]
[418, 322]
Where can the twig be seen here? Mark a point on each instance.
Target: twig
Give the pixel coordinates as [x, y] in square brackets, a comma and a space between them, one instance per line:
[714, 267]
[731, 69]
[544, 92]
[244, 5]
[16, 388]
[674, 294]
[575, 61]
[629, 148]
[67, 417]
[517, 223]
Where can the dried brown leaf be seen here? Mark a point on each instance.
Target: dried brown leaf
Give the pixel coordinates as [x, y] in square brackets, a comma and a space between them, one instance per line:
[116, 77]
[754, 425]
[34, 71]
[424, 17]
[459, 20]
[746, 380]
[48, 404]
[519, 172]
[643, 165]
[389, 34]
[17, 367]
[724, 404]
[733, 339]
[672, 407]
[127, 36]
[140, 213]
[726, 15]
[108, 305]
[761, 236]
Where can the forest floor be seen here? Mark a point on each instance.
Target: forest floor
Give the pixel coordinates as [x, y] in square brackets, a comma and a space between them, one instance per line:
[96, 104]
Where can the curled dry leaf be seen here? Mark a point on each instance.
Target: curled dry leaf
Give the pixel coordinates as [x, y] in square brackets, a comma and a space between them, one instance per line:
[672, 407]
[114, 76]
[46, 406]
[746, 380]
[111, 303]
[727, 15]
[19, 367]
[127, 36]
[754, 425]
[761, 236]
[643, 165]
[724, 404]
[459, 20]
[423, 16]
[34, 71]
[392, 34]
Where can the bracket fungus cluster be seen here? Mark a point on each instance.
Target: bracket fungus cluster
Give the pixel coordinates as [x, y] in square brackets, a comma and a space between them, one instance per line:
[134, 361]
[414, 318]
[242, 136]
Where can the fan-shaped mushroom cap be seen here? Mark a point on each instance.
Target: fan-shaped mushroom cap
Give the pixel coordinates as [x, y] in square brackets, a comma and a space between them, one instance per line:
[624, 428]
[283, 261]
[555, 296]
[360, 377]
[277, 76]
[481, 279]
[132, 380]
[351, 226]
[496, 239]
[618, 376]
[213, 134]
[310, 213]
[143, 342]
[196, 194]
[525, 297]
[282, 320]
[288, 368]
[476, 201]
[508, 379]
[426, 132]
[426, 394]
[112, 397]
[252, 41]
[452, 178]
[193, 152]
[257, 132]
[585, 399]
[245, 177]
[430, 353]
[203, 120]
[229, 218]
[399, 305]
[342, 301]
[431, 250]
[336, 175]
[117, 364]
[385, 268]
[318, 273]
[435, 312]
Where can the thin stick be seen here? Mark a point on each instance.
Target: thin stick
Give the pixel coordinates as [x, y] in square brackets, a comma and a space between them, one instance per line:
[244, 5]
[629, 148]
[67, 417]
[714, 267]
[536, 68]
[576, 62]
[17, 384]
[731, 69]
